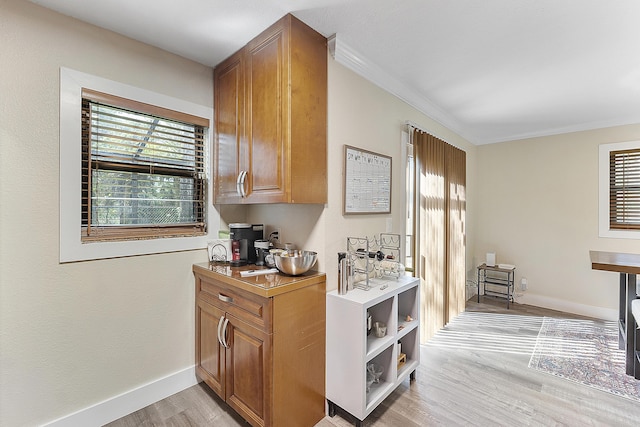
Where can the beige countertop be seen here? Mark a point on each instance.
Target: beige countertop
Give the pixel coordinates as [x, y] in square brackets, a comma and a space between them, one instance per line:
[266, 285]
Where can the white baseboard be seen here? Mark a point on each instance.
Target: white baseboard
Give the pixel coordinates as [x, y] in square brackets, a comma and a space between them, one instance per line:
[128, 402]
[568, 306]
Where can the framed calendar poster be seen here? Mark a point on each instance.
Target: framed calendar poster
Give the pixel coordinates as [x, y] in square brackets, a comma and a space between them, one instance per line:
[367, 182]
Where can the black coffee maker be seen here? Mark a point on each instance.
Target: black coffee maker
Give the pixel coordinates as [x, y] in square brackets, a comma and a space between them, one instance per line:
[245, 235]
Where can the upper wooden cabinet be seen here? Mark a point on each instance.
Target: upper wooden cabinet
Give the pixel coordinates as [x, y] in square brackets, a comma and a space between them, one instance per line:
[270, 101]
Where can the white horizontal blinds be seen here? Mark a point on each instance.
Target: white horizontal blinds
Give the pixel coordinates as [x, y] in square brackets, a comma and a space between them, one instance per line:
[143, 170]
[624, 189]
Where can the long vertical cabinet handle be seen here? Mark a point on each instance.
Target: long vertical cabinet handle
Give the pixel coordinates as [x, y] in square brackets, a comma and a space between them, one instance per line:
[224, 333]
[220, 322]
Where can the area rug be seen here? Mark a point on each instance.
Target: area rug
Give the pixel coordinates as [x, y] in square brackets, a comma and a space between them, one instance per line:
[584, 351]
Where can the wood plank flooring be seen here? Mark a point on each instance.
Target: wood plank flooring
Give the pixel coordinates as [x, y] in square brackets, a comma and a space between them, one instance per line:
[474, 373]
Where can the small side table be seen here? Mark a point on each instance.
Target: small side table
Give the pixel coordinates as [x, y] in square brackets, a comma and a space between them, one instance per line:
[504, 277]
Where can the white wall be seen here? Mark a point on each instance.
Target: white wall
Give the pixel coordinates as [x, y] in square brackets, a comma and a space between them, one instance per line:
[73, 335]
[538, 209]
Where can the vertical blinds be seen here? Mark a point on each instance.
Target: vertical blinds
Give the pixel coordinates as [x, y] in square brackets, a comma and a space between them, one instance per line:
[143, 170]
[624, 189]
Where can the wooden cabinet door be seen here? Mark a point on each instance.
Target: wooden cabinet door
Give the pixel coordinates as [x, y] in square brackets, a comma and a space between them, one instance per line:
[270, 104]
[210, 355]
[248, 371]
[229, 90]
[267, 103]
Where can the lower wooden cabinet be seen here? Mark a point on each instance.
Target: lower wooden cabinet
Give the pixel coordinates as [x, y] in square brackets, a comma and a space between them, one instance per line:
[264, 355]
[248, 371]
[239, 372]
[210, 357]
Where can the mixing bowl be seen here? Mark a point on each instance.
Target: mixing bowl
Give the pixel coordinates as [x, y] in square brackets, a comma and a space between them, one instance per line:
[295, 262]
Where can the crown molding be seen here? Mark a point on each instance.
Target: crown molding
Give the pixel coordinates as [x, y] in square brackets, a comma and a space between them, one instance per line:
[580, 127]
[355, 61]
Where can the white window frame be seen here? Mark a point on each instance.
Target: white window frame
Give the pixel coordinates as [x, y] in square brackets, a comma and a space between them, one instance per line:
[603, 190]
[71, 246]
[408, 202]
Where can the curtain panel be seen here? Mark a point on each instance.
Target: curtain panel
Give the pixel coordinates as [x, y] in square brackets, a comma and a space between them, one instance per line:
[440, 207]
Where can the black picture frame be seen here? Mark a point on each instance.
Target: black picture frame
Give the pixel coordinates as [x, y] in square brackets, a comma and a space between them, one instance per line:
[367, 182]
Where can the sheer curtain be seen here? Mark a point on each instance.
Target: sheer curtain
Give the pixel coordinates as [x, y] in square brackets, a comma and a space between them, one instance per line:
[440, 205]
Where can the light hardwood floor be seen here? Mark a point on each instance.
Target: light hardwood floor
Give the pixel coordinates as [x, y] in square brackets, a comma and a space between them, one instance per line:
[475, 373]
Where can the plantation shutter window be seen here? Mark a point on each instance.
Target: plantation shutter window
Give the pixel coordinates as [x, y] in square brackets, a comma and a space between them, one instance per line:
[143, 170]
[624, 189]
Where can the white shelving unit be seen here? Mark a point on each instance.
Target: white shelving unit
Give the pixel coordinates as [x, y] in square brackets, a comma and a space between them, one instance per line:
[350, 349]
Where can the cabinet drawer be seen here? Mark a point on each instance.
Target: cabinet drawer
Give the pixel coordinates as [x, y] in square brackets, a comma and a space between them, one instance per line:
[246, 306]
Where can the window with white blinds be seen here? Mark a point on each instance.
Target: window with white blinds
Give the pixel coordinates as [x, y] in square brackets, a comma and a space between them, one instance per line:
[143, 170]
[624, 189]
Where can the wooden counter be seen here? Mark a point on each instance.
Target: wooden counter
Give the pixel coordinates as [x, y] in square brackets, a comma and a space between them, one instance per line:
[266, 285]
[628, 265]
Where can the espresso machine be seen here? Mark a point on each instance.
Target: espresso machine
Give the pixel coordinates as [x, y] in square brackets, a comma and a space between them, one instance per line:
[243, 237]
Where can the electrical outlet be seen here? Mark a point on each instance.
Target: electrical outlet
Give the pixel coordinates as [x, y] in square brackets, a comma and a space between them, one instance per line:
[523, 284]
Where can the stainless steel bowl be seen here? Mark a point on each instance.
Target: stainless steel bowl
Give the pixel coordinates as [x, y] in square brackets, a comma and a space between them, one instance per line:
[295, 262]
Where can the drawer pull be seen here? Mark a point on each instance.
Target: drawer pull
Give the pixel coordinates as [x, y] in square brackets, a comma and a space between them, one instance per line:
[225, 298]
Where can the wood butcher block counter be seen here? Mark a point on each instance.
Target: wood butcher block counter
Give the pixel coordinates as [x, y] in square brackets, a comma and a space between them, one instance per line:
[628, 265]
[260, 342]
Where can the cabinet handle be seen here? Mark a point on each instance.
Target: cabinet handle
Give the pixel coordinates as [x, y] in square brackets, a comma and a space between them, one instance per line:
[220, 327]
[225, 298]
[243, 178]
[239, 183]
[224, 333]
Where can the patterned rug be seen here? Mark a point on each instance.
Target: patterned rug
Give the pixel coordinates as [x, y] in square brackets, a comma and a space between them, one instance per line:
[584, 351]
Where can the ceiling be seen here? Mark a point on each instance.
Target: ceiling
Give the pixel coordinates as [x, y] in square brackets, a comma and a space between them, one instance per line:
[490, 70]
